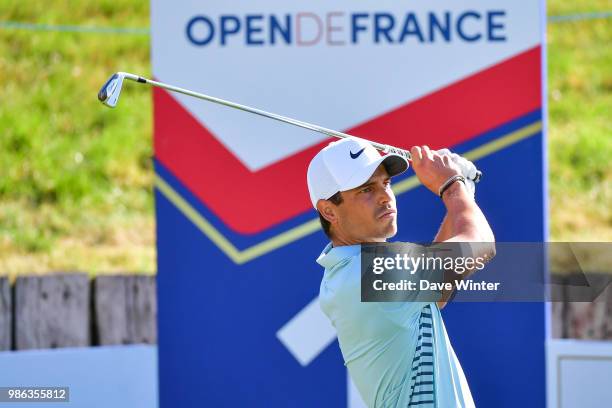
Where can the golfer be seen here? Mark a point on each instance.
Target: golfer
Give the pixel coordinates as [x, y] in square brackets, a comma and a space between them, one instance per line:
[398, 353]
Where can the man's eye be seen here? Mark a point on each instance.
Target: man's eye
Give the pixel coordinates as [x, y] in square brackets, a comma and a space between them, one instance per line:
[366, 190]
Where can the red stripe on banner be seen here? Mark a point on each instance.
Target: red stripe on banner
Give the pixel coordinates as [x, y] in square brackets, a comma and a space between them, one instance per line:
[249, 202]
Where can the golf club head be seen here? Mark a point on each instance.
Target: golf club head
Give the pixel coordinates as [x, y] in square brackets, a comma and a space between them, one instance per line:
[110, 91]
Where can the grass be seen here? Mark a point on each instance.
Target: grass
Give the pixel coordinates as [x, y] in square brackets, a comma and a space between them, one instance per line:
[75, 178]
[580, 97]
[75, 191]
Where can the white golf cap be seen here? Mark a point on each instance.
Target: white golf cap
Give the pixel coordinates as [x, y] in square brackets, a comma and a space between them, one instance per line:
[345, 164]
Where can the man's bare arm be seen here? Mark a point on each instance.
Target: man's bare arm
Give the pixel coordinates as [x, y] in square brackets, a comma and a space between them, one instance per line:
[464, 221]
[444, 232]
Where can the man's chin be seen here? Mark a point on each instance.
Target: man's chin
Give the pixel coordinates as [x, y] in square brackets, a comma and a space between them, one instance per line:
[392, 233]
[384, 231]
[389, 231]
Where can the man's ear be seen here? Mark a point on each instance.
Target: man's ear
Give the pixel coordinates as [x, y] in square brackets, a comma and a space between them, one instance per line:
[328, 210]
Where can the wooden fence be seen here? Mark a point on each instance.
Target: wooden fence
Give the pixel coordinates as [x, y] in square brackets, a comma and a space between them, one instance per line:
[584, 320]
[70, 310]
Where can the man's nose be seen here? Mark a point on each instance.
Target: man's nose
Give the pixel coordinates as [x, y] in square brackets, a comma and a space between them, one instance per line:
[386, 195]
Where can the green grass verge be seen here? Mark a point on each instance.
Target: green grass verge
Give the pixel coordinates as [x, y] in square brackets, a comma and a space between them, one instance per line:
[580, 127]
[75, 189]
[75, 192]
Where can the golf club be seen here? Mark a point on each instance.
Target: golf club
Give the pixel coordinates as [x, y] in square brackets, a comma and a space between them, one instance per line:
[110, 91]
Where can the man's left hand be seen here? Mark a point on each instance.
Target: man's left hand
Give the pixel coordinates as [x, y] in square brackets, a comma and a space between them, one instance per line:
[468, 169]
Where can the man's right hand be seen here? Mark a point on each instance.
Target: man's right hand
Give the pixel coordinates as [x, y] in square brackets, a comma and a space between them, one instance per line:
[431, 168]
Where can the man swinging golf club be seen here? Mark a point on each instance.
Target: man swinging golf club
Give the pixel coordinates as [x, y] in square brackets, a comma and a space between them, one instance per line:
[398, 353]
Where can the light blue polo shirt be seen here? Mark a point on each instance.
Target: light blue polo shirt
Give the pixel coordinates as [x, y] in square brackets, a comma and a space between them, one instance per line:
[397, 353]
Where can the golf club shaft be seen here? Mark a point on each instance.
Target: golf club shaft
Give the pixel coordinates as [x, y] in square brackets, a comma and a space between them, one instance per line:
[320, 129]
[316, 128]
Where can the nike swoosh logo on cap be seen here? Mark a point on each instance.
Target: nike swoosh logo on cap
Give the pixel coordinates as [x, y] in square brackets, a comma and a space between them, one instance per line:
[356, 155]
